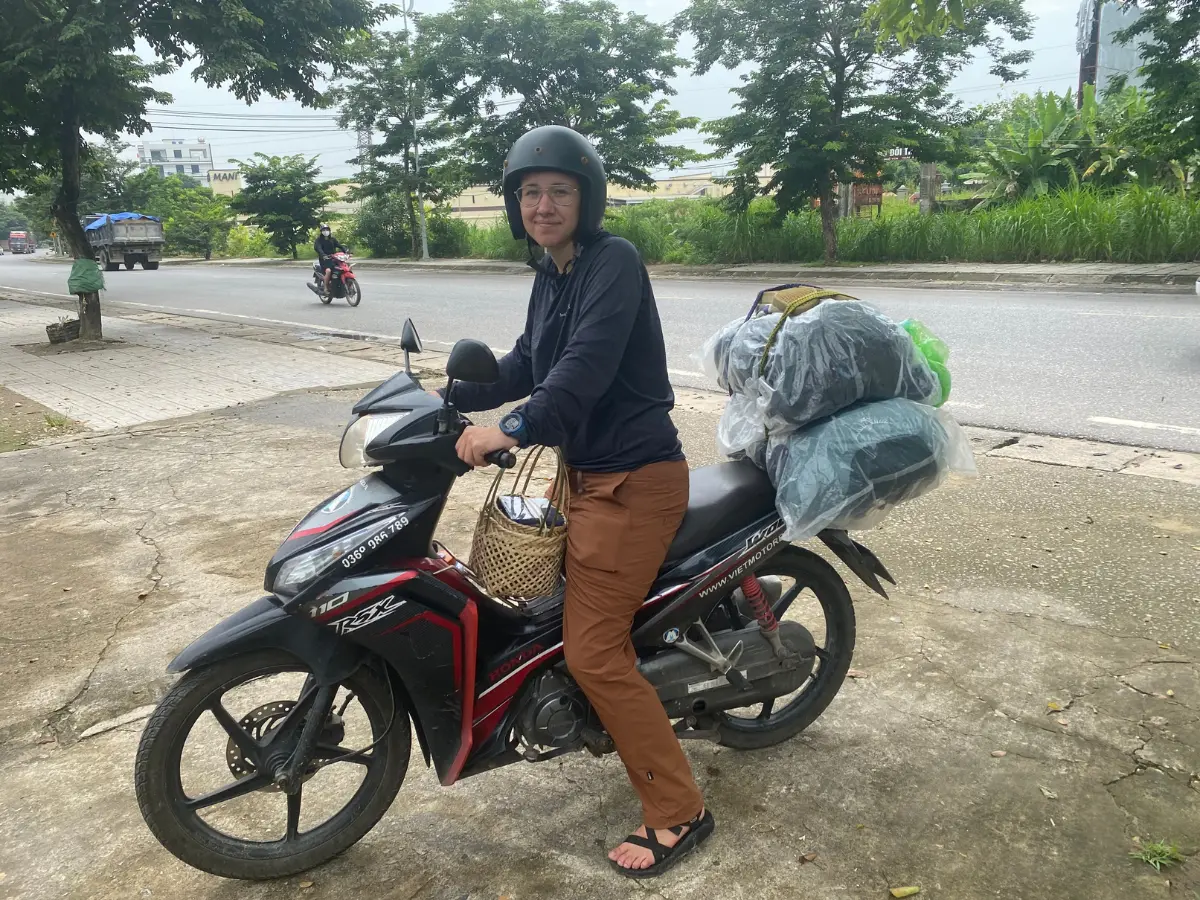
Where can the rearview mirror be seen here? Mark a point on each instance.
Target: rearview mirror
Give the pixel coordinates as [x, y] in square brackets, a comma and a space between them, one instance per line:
[472, 361]
[409, 339]
[410, 342]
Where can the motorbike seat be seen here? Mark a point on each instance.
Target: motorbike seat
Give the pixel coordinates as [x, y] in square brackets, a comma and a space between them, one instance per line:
[722, 499]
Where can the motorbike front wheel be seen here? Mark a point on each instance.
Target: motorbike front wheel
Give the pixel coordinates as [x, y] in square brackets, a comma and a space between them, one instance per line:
[353, 292]
[217, 811]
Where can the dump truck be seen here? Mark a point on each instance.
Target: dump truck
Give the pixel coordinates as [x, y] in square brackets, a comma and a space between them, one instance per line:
[21, 242]
[125, 237]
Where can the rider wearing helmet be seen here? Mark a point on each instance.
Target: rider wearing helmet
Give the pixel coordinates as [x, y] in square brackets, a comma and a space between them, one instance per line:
[326, 245]
[592, 363]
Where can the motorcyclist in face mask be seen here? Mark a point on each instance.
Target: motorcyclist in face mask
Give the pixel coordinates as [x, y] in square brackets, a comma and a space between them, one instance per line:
[326, 245]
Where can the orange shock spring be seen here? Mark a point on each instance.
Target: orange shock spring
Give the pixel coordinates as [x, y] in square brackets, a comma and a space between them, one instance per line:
[759, 605]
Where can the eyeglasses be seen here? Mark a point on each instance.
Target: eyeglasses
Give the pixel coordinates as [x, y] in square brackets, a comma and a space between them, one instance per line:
[560, 195]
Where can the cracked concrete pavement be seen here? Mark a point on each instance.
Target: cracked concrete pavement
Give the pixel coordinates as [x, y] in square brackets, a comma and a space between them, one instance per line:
[1025, 705]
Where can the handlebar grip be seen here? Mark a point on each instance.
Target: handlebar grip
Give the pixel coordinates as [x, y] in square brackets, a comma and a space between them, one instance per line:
[505, 459]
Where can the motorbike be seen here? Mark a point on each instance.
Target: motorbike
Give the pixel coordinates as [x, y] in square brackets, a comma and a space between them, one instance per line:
[343, 284]
[365, 607]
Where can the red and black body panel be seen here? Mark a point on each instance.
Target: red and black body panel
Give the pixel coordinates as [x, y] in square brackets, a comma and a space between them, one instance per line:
[687, 592]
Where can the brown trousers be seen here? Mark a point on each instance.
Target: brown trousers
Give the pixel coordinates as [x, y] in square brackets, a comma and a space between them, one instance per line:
[620, 527]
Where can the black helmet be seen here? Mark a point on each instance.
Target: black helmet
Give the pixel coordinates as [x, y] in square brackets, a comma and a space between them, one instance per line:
[556, 148]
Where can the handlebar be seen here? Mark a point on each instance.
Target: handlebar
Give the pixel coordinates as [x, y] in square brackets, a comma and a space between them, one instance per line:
[505, 459]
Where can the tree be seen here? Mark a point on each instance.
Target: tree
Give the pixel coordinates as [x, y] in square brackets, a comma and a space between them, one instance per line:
[283, 197]
[103, 177]
[382, 94]
[1038, 152]
[826, 100]
[67, 68]
[907, 20]
[200, 227]
[1169, 32]
[11, 219]
[503, 67]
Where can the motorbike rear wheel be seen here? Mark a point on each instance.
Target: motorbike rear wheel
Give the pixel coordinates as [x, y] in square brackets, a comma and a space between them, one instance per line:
[353, 292]
[174, 816]
[770, 726]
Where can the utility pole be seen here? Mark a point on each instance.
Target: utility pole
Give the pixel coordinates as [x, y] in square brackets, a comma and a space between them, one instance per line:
[406, 10]
[929, 187]
[364, 150]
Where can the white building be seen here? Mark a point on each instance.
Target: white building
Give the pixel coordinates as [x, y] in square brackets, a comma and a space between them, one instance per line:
[177, 157]
[1103, 58]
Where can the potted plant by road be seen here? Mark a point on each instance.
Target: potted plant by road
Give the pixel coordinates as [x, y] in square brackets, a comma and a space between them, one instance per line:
[65, 329]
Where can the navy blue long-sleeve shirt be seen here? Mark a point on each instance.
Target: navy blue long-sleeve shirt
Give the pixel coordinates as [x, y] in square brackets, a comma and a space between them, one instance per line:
[592, 362]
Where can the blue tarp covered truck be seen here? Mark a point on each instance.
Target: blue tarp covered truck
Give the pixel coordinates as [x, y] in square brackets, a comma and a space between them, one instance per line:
[125, 237]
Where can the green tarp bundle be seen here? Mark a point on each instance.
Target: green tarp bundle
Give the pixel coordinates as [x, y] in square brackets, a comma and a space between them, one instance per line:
[85, 278]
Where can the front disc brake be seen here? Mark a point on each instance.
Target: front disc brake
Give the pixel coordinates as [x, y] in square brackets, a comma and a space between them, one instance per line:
[260, 723]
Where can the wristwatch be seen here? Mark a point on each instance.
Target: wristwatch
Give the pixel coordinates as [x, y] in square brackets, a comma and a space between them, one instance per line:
[514, 426]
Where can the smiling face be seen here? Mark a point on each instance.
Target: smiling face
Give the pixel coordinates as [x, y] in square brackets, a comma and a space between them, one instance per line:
[553, 220]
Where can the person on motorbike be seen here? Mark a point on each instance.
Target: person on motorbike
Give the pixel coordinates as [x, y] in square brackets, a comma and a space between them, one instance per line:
[592, 363]
[326, 245]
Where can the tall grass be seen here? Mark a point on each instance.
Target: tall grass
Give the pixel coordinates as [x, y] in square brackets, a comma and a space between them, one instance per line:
[1135, 225]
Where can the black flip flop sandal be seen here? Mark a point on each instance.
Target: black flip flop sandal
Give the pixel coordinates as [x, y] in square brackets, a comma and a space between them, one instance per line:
[698, 829]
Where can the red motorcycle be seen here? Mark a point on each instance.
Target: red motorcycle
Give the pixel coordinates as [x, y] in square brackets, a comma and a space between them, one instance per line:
[342, 282]
[309, 698]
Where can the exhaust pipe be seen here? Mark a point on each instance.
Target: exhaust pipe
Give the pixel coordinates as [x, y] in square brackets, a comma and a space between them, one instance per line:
[312, 287]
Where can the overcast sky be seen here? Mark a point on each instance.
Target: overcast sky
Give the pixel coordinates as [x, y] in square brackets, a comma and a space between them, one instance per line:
[235, 130]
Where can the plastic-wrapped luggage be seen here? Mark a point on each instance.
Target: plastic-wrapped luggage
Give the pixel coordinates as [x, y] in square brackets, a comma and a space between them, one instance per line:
[837, 403]
[805, 367]
[848, 470]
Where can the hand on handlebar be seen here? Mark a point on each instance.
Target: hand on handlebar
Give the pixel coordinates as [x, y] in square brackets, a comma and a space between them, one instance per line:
[476, 443]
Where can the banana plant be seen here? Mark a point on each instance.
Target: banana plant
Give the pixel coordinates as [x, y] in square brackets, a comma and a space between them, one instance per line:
[1039, 154]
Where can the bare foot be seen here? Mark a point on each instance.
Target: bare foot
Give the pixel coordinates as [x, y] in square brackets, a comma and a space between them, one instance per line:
[631, 856]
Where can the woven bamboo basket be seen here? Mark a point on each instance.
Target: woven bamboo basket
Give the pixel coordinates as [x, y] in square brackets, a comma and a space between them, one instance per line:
[517, 561]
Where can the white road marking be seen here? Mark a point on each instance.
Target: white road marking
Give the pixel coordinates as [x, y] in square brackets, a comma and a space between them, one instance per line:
[685, 373]
[9, 287]
[963, 404]
[1148, 426]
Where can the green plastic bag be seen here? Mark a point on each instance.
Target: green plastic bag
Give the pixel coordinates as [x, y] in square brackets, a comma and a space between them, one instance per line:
[935, 351]
[85, 277]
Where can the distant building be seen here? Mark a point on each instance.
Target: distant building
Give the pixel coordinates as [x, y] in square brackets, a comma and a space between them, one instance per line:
[225, 182]
[340, 205]
[177, 157]
[1102, 58]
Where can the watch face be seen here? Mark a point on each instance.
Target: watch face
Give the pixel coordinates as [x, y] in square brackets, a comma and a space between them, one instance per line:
[511, 422]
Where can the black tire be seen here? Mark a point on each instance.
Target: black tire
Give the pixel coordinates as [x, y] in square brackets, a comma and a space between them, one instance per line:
[130, 263]
[811, 571]
[353, 292]
[109, 265]
[160, 792]
[151, 266]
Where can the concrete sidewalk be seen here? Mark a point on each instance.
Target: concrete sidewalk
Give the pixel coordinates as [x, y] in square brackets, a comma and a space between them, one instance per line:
[146, 371]
[1025, 705]
[1170, 277]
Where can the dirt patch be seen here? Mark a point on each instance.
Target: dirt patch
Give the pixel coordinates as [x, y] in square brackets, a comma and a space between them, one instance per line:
[46, 349]
[24, 423]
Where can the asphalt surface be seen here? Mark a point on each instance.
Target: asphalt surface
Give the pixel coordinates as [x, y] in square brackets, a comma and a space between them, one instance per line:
[1122, 367]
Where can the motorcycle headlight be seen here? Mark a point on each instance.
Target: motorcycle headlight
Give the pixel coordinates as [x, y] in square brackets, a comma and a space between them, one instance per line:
[353, 453]
[299, 570]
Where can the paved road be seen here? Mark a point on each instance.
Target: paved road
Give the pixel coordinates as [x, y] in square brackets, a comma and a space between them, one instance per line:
[1118, 367]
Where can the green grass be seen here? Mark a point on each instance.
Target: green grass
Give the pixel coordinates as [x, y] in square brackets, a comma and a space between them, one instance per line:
[1135, 225]
[1158, 854]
